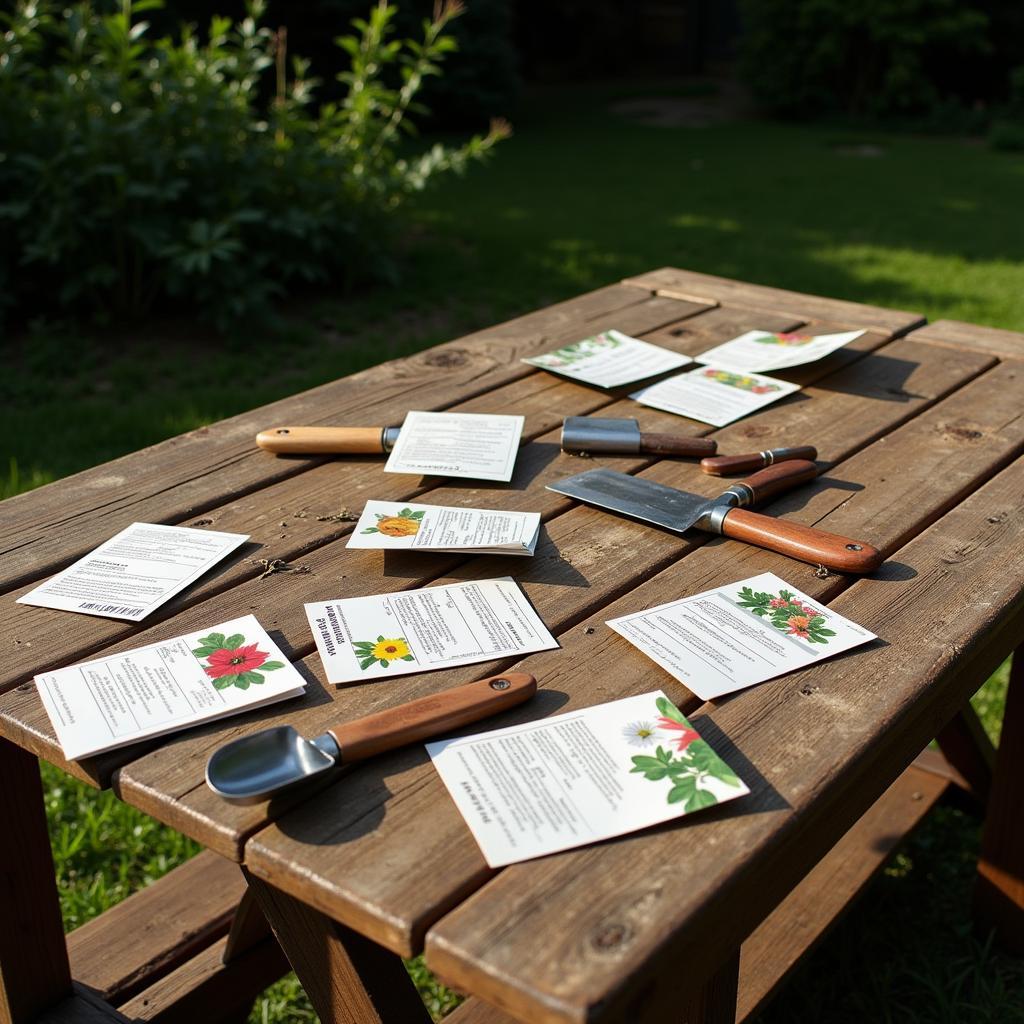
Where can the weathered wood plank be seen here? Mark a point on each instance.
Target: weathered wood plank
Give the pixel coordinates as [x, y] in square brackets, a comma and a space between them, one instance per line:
[282, 522]
[436, 870]
[169, 780]
[597, 665]
[809, 912]
[50, 526]
[959, 335]
[205, 988]
[703, 884]
[157, 929]
[34, 973]
[694, 287]
[349, 979]
[999, 889]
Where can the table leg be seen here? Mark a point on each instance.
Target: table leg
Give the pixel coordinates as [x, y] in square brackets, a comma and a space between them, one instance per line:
[999, 891]
[715, 1002]
[348, 978]
[34, 971]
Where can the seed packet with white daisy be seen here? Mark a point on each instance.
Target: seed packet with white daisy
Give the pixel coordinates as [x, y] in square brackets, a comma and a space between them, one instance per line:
[590, 774]
[123, 698]
[732, 637]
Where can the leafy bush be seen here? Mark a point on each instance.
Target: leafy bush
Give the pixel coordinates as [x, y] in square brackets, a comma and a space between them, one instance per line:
[137, 171]
[861, 57]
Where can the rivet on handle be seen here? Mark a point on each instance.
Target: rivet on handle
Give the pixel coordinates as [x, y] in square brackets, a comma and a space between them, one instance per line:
[500, 684]
[854, 547]
[281, 430]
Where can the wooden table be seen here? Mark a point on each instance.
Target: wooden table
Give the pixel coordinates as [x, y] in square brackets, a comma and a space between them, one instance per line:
[918, 429]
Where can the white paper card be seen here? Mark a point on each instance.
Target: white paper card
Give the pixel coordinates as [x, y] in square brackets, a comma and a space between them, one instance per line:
[581, 777]
[476, 445]
[136, 571]
[166, 686]
[757, 351]
[402, 527]
[730, 638]
[363, 638]
[713, 394]
[610, 359]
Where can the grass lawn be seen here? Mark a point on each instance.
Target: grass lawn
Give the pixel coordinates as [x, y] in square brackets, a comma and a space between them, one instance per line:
[579, 198]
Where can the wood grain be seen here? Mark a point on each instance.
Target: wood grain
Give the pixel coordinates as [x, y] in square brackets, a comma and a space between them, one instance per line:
[814, 907]
[156, 929]
[959, 335]
[46, 528]
[804, 794]
[287, 519]
[875, 383]
[430, 873]
[694, 287]
[206, 988]
[349, 980]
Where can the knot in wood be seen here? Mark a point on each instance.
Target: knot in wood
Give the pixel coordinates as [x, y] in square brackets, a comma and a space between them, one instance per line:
[447, 357]
[755, 431]
[611, 936]
[962, 433]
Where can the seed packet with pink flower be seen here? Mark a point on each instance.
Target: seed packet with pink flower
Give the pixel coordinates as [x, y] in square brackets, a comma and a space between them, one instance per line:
[165, 686]
[759, 351]
[732, 637]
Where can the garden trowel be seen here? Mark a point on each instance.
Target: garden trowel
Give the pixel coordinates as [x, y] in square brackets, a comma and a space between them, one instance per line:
[274, 761]
[624, 437]
[680, 511]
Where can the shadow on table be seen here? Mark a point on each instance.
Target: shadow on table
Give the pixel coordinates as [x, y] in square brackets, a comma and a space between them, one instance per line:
[355, 801]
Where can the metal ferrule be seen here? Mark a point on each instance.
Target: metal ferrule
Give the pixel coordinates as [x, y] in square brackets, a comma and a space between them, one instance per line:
[777, 455]
[713, 519]
[738, 496]
[389, 437]
[326, 742]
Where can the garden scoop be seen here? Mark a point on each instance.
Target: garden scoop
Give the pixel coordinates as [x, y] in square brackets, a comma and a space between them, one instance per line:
[328, 440]
[273, 761]
[679, 511]
[624, 437]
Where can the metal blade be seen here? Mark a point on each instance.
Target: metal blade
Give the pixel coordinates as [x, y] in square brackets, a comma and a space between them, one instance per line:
[633, 496]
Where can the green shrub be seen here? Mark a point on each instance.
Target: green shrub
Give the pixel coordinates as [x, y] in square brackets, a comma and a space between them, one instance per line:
[861, 57]
[136, 172]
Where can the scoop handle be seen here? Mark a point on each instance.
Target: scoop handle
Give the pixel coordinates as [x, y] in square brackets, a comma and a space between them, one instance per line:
[428, 716]
[801, 542]
[722, 465]
[673, 444]
[322, 440]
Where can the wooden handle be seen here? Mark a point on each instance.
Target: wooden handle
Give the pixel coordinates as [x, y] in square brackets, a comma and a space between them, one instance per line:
[801, 542]
[776, 479]
[322, 440]
[671, 444]
[429, 716]
[723, 465]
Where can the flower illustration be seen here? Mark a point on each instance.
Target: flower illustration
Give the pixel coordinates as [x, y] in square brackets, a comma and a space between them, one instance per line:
[405, 524]
[788, 613]
[741, 381]
[691, 770]
[686, 734]
[382, 651]
[234, 663]
[230, 661]
[639, 734]
[798, 626]
[788, 339]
